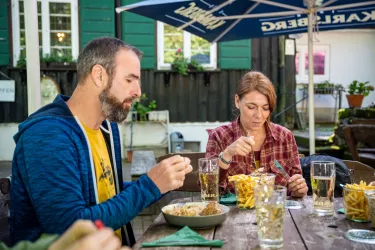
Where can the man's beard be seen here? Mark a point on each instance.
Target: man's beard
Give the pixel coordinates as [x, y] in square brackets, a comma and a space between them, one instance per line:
[112, 108]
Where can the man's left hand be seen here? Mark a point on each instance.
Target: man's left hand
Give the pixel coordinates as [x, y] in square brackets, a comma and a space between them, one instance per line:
[297, 185]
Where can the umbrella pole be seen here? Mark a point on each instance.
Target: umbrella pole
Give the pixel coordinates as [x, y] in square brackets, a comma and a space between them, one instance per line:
[311, 84]
[32, 55]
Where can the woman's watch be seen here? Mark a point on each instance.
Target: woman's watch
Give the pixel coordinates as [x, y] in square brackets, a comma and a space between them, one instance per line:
[223, 160]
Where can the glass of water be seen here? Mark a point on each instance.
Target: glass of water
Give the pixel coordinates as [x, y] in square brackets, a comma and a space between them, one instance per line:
[209, 179]
[270, 210]
[323, 176]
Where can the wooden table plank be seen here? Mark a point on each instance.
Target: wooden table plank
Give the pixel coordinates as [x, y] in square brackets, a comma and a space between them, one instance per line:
[160, 228]
[316, 234]
[240, 231]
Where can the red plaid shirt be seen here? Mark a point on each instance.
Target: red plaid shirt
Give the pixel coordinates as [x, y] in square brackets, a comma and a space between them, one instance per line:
[279, 145]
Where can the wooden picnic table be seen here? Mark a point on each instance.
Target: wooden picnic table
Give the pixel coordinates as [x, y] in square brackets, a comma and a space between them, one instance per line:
[302, 230]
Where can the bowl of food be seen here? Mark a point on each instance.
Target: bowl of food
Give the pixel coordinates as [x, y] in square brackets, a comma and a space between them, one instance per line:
[195, 214]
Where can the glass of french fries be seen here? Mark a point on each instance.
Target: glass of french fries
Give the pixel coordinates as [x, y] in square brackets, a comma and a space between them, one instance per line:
[355, 202]
[244, 187]
[370, 195]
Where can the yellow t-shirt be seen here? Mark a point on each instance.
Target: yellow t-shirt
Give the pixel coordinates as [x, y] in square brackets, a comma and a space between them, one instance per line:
[103, 169]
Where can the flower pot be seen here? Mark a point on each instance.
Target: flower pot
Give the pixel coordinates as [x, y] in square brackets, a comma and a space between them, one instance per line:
[130, 155]
[355, 101]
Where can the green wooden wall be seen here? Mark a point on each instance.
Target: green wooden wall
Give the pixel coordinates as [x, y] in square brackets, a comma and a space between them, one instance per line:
[140, 32]
[4, 33]
[97, 18]
[235, 54]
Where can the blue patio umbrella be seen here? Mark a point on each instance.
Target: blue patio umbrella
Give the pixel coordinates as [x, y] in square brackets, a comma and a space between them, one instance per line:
[228, 20]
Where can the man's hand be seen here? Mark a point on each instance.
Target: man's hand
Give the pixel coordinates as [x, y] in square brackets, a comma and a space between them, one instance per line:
[297, 185]
[170, 173]
[83, 235]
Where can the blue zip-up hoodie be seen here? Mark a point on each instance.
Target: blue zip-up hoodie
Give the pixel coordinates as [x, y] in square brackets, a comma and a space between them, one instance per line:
[53, 177]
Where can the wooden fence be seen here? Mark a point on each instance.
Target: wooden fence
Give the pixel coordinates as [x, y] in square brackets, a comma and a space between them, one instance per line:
[198, 97]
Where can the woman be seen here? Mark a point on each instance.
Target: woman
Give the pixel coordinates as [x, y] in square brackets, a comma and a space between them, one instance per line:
[252, 142]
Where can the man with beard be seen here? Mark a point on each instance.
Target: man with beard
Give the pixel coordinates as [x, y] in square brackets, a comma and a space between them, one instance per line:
[67, 161]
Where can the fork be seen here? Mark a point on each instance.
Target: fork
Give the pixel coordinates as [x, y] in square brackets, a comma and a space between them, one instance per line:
[252, 151]
[282, 170]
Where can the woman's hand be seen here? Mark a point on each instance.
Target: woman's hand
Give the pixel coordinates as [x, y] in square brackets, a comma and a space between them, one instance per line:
[242, 146]
[84, 235]
[297, 185]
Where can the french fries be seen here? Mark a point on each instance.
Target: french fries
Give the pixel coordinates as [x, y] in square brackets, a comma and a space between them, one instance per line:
[356, 204]
[371, 203]
[244, 185]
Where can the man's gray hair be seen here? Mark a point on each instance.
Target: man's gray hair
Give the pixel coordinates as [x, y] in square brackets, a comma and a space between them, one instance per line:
[102, 51]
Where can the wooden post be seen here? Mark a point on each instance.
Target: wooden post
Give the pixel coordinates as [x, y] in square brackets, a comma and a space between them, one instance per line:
[290, 86]
[282, 90]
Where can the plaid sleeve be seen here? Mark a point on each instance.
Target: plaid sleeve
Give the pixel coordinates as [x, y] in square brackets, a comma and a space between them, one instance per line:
[213, 148]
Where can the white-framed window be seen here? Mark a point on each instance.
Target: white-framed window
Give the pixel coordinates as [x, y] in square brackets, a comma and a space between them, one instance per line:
[321, 63]
[169, 40]
[57, 26]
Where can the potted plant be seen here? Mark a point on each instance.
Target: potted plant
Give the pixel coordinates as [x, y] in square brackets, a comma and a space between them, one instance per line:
[357, 91]
[184, 65]
[143, 109]
[21, 63]
[45, 61]
[62, 62]
[324, 88]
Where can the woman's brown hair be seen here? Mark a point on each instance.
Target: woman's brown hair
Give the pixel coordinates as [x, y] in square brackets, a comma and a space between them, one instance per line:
[257, 81]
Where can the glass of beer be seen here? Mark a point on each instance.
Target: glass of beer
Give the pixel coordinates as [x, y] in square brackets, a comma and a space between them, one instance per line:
[270, 211]
[323, 176]
[209, 179]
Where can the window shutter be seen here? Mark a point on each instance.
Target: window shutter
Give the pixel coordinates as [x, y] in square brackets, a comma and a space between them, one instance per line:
[4, 33]
[235, 54]
[140, 32]
[97, 19]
